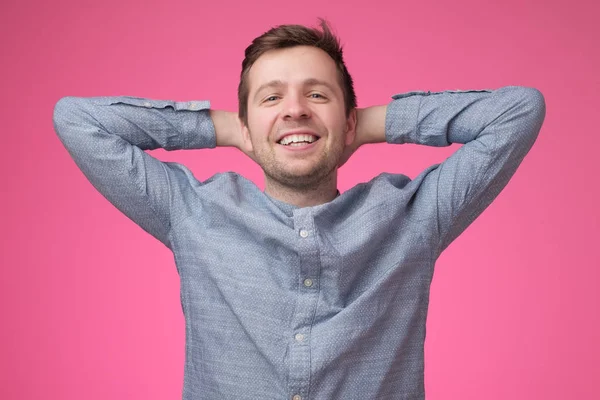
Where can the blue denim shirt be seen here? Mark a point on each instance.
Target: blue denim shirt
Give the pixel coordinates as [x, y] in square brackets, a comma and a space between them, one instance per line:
[323, 302]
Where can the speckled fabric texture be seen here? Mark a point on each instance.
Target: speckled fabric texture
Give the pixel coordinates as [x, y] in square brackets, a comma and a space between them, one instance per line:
[324, 302]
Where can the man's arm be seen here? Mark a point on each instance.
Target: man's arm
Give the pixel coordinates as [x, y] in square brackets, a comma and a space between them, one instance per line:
[107, 136]
[497, 127]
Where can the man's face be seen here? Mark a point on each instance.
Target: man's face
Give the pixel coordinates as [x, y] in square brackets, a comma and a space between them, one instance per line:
[297, 126]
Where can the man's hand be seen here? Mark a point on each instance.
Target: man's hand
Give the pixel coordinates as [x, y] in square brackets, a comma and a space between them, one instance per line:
[370, 128]
[229, 131]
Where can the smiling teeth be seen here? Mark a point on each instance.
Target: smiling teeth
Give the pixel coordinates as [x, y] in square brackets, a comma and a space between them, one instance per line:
[297, 139]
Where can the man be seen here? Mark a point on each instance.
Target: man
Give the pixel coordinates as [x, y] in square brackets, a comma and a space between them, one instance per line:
[299, 292]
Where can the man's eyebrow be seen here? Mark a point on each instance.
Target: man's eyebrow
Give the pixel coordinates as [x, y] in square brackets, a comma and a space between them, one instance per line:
[267, 85]
[306, 82]
[316, 82]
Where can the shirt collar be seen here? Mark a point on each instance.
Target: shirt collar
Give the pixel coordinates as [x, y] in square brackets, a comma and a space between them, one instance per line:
[287, 208]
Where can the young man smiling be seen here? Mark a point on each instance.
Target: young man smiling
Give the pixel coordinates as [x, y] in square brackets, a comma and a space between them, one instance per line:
[297, 125]
[299, 292]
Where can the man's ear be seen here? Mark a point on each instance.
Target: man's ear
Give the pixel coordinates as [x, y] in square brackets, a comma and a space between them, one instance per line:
[351, 127]
[246, 142]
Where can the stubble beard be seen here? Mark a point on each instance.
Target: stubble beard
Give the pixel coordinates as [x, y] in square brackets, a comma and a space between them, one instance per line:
[320, 173]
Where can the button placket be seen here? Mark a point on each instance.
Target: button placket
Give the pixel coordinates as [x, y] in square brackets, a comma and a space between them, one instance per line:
[309, 267]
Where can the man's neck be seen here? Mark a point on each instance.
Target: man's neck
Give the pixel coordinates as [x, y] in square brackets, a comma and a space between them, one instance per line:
[325, 192]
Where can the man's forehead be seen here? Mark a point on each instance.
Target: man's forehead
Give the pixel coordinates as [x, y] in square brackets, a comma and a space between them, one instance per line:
[300, 64]
[292, 54]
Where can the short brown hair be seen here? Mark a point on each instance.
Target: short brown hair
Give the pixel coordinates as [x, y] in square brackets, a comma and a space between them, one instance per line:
[284, 36]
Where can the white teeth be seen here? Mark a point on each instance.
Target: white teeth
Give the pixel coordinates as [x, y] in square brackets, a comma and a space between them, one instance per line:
[298, 139]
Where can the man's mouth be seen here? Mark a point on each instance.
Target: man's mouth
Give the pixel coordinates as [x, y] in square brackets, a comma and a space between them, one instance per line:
[298, 140]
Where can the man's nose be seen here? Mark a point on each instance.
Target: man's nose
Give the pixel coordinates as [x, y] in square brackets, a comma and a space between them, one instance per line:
[296, 107]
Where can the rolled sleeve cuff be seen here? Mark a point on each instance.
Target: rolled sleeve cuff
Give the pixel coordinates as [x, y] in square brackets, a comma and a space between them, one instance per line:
[200, 130]
[401, 118]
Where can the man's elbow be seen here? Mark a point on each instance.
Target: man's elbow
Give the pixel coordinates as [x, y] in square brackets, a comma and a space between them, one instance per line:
[68, 112]
[534, 105]
[64, 108]
[525, 111]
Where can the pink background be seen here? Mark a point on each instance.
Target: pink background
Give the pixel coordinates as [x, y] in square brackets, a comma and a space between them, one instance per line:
[89, 303]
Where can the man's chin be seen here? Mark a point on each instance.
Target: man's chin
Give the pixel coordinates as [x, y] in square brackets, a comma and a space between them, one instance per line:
[298, 178]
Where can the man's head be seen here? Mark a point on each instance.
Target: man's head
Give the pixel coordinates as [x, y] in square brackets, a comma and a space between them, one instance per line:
[294, 81]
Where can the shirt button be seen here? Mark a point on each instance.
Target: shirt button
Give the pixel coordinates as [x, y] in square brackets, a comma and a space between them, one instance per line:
[297, 397]
[299, 337]
[308, 282]
[147, 104]
[304, 233]
[192, 105]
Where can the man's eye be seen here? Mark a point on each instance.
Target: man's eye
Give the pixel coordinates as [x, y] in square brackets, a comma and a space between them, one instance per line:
[318, 95]
[271, 98]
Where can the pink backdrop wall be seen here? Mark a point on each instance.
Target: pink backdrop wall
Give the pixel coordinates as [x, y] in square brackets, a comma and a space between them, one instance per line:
[89, 303]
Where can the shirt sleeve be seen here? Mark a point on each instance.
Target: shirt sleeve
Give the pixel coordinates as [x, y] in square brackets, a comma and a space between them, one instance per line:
[107, 136]
[497, 129]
